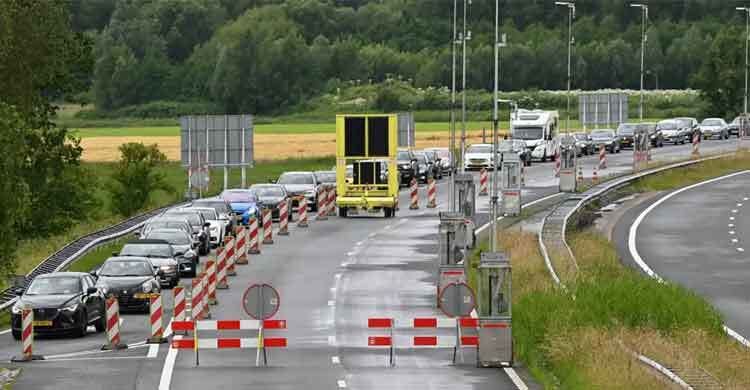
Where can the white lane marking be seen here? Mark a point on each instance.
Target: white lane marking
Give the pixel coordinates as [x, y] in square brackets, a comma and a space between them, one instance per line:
[734, 211]
[731, 218]
[337, 276]
[515, 378]
[333, 290]
[739, 204]
[746, 199]
[341, 383]
[153, 351]
[335, 360]
[731, 225]
[731, 232]
[639, 260]
[734, 240]
[331, 303]
[47, 359]
[166, 372]
[5, 331]
[332, 341]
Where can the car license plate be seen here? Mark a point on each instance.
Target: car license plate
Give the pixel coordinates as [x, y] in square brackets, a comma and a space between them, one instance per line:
[42, 323]
[145, 296]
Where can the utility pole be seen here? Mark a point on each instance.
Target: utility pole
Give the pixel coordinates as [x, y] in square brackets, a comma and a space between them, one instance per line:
[496, 129]
[571, 15]
[644, 38]
[746, 10]
[465, 36]
[452, 142]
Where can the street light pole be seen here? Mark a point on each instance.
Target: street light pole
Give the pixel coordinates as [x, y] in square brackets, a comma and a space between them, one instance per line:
[496, 128]
[571, 15]
[464, 37]
[644, 19]
[746, 10]
[452, 142]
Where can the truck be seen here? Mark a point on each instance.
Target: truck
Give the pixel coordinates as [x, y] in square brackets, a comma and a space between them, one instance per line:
[369, 143]
[538, 129]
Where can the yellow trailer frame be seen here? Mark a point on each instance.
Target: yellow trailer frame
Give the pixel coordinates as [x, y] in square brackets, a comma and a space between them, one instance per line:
[371, 197]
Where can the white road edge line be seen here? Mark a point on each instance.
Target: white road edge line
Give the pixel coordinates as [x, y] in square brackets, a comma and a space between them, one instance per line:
[166, 372]
[341, 383]
[5, 331]
[515, 378]
[540, 200]
[641, 263]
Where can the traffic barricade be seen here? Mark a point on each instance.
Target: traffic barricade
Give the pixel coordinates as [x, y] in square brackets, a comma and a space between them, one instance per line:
[382, 341]
[221, 269]
[483, 179]
[302, 212]
[112, 313]
[602, 157]
[322, 200]
[331, 201]
[254, 237]
[179, 312]
[260, 342]
[267, 227]
[431, 194]
[156, 320]
[414, 195]
[211, 273]
[231, 256]
[283, 219]
[27, 337]
[558, 162]
[241, 245]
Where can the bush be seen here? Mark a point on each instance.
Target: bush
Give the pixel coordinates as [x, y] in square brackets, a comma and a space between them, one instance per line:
[156, 109]
[136, 178]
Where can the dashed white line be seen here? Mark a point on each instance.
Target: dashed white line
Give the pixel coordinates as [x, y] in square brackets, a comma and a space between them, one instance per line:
[335, 360]
[5, 331]
[734, 240]
[739, 204]
[731, 225]
[731, 232]
[734, 211]
[166, 372]
[740, 249]
[515, 378]
[337, 276]
[731, 218]
[341, 383]
[332, 341]
[331, 303]
[745, 199]
[153, 351]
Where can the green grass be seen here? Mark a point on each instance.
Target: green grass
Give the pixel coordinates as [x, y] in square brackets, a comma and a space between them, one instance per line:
[675, 178]
[97, 256]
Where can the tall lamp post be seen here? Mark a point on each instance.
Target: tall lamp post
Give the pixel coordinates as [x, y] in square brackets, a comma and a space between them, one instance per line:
[746, 10]
[644, 38]
[465, 36]
[452, 142]
[495, 127]
[571, 15]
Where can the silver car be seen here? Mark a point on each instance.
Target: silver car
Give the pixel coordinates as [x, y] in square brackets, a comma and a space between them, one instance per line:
[714, 127]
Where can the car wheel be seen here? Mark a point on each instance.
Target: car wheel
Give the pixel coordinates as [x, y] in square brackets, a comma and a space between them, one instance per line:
[101, 323]
[81, 331]
[342, 212]
[387, 212]
[16, 334]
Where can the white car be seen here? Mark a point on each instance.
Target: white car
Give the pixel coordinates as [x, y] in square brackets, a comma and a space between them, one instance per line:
[478, 156]
[216, 226]
[714, 127]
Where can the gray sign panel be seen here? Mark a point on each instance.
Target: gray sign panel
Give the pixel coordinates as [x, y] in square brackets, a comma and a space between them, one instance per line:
[457, 300]
[407, 133]
[261, 301]
[602, 109]
[216, 140]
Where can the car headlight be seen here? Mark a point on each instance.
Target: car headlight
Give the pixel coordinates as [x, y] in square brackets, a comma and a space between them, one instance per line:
[16, 309]
[167, 268]
[146, 287]
[190, 253]
[70, 308]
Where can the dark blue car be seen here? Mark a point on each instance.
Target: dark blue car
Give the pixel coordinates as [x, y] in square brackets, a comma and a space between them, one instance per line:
[242, 202]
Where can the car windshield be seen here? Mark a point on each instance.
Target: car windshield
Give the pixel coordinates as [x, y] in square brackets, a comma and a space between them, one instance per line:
[55, 286]
[581, 136]
[667, 125]
[174, 238]
[146, 250]
[220, 206]
[684, 122]
[528, 133]
[327, 177]
[207, 213]
[275, 192]
[711, 122]
[442, 153]
[166, 225]
[479, 149]
[296, 178]
[602, 134]
[514, 146]
[737, 120]
[403, 156]
[126, 268]
[241, 196]
[626, 129]
[193, 218]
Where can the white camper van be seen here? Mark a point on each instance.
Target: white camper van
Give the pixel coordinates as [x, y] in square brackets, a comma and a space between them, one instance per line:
[538, 129]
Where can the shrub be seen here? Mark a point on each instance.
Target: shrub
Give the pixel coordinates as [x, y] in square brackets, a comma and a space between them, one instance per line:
[136, 178]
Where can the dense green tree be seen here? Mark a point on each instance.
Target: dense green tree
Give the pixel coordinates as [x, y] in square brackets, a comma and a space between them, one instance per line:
[136, 178]
[721, 77]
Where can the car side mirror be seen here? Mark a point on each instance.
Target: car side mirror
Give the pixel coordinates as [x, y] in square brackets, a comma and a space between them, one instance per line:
[137, 234]
[160, 273]
[115, 253]
[205, 225]
[19, 291]
[91, 290]
[179, 253]
[94, 273]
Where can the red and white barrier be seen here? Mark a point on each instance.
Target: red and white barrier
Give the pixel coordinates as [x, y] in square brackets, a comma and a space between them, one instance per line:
[331, 201]
[380, 340]
[211, 271]
[696, 144]
[112, 313]
[302, 212]
[414, 195]
[156, 320]
[179, 303]
[483, 179]
[431, 194]
[558, 162]
[254, 235]
[267, 227]
[231, 256]
[523, 175]
[241, 245]
[27, 333]
[197, 343]
[595, 176]
[602, 157]
[283, 219]
[322, 200]
[221, 269]
[579, 178]
[196, 300]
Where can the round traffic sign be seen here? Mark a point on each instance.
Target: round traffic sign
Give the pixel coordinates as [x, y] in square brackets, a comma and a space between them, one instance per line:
[199, 178]
[457, 300]
[261, 301]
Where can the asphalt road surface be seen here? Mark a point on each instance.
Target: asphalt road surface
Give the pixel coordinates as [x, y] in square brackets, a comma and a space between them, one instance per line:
[331, 276]
[699, 238]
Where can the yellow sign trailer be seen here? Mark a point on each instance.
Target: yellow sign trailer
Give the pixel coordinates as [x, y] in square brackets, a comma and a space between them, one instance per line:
[369, 143]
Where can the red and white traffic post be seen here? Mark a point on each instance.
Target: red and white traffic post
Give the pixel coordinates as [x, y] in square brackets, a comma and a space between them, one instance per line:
[27, 336]
[414, 195]
[483, 180]
[241, 245]
[112, 313]
[156, 320]
[196, 301]
[178, 313]
[302, 212]
[231, 256]
[221, 269]
[602, 157]
[380, 340]
[595, 176]
[431, 194]
[331, 201]
[696, 144]
[558, 162]
[283, 219]
[211, 270]
[267, 227]
[254, 237]
[322, 200]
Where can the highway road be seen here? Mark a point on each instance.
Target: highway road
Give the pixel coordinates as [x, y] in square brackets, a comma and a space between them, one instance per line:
[697, 238]
[331, 277]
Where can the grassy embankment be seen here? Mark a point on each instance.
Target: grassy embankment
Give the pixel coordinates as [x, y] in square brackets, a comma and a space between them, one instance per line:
[31, 252]
[583, 342]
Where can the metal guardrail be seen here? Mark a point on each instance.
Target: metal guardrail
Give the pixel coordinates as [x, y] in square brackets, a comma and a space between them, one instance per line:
[79, 247]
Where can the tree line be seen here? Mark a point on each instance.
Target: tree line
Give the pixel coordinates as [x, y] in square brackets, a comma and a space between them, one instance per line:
[266, 56]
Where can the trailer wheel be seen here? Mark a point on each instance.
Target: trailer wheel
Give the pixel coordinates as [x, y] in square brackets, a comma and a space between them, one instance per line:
[342, 212]
[388, 212]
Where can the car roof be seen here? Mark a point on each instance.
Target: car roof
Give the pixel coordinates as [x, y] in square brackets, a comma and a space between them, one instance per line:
[168, 218]
[326, 172]
[299, 173]
[166, 230]
[267, 185]
[211, 199]
[480, 145]
[147, 241]
[128, 258]
[61, 274]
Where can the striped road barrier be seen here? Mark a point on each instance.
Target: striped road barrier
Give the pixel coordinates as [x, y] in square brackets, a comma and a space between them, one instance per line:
[254, 237]
[241, 245]
[156, 320]
[267, 227]
[283, 219]
[483, 179]
[112, 313]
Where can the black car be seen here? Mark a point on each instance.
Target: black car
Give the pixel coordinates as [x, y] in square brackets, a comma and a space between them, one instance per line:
[183, 248]
[654, 133]
[161, 255]
[131, 280]
[518, 146]
[63, 302]
[626, 132]
[407, 166]
[199, 225]
[584, 143]
[272, 196]
[734, 127]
